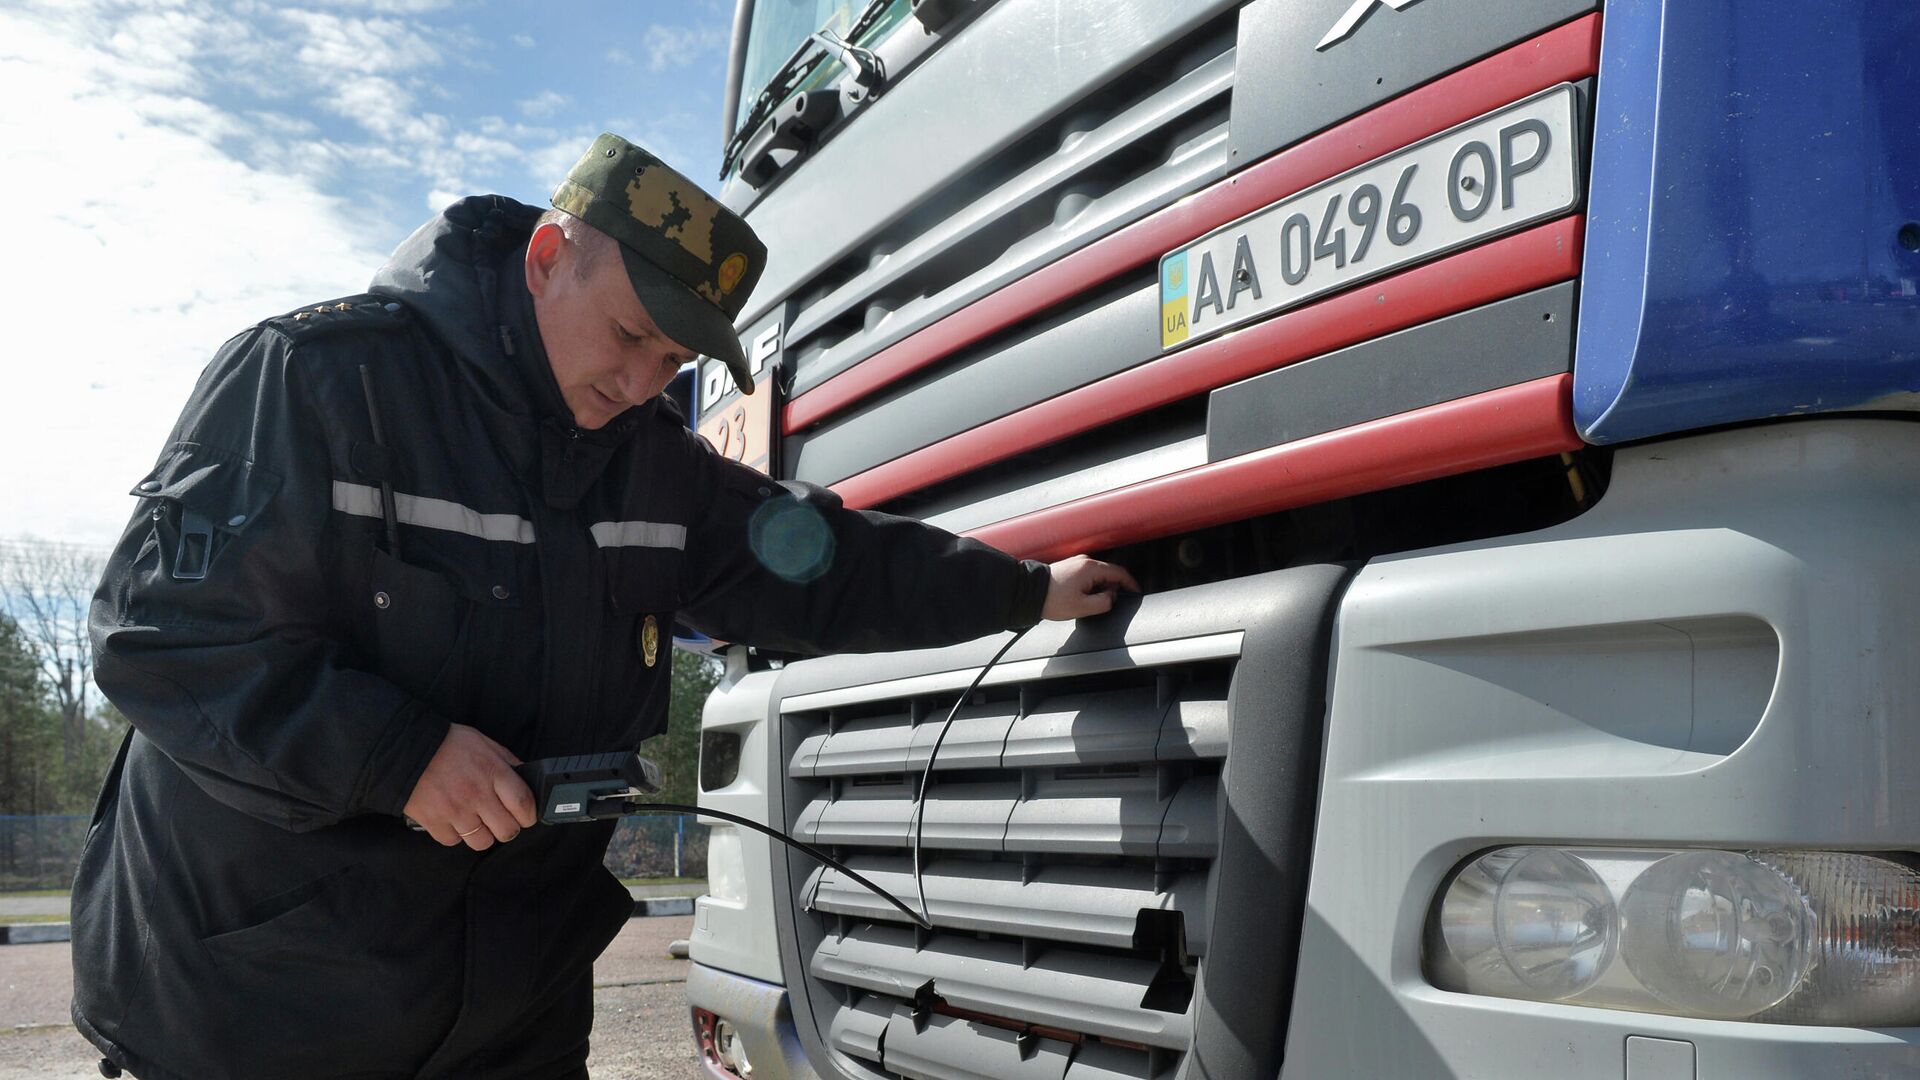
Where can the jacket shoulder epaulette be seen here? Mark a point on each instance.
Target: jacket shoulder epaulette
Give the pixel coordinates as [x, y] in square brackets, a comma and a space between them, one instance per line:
[362, 313]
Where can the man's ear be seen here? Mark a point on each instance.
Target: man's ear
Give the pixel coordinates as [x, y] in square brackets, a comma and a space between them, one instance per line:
[544, 251]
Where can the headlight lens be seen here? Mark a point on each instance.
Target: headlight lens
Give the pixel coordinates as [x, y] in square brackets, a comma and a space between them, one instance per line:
[1718, 934]
[1807, 937]
[1527, 922]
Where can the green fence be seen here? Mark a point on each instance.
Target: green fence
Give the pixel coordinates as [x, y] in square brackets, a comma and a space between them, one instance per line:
[650, 845]
[40, 851]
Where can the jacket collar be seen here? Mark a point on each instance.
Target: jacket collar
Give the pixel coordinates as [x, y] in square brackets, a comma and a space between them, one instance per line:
[461, 275]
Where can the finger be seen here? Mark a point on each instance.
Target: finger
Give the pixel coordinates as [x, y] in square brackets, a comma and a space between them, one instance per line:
[1101, 577]
[476, 836]
[499, 822]
[1099, 603]
[1105, 575]
[518, 799]
[443, 833]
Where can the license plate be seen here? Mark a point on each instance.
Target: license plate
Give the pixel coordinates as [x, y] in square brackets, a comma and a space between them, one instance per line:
[1488, 176]
[741, 426]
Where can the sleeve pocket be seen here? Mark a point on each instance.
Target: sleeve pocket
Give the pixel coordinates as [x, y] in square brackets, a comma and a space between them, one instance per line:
[214, 496]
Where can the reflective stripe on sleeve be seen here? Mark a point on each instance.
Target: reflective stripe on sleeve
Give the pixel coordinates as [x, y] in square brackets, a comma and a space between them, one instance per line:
[653, 534]
[362, 500]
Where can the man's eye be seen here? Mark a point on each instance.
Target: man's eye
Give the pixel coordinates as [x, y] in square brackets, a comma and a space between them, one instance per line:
[625, 335]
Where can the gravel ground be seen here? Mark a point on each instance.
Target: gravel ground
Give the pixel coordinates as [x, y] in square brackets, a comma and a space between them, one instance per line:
[640, 1026]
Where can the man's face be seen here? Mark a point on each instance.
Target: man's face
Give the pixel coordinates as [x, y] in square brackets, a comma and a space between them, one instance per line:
[606, 353]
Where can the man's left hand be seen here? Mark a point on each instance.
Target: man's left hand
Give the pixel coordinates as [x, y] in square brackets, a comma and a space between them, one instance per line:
[1082, 586]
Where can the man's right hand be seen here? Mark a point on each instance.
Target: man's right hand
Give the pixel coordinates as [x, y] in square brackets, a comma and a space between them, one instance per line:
[470, 794]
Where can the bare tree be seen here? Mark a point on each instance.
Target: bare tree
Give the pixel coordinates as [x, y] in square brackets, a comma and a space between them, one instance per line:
[45, 587]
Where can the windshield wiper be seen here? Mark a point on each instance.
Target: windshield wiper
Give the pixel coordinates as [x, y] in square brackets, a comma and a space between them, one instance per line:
[800, 66]
[868, 71]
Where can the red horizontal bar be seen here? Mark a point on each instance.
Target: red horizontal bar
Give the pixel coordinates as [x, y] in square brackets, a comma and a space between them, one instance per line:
[1527, 260]
[1560, 55]
[1515, 423]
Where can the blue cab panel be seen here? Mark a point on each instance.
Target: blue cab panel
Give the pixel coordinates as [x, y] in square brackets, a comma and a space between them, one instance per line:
[1753, 231]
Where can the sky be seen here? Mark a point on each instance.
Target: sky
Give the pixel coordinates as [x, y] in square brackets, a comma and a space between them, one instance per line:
[181, 169]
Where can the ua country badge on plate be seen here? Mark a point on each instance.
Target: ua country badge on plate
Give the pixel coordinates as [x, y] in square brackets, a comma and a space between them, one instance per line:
[649, 640]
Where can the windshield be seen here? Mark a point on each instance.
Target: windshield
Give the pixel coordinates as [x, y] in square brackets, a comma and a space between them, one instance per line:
[779, 26]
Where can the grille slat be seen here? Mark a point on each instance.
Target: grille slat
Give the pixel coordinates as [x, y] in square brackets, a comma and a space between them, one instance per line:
[1082, 905]
[1191, 828]
[1092, 816]
[951, 1047]
[859, 1029]
[1098, 815]
[889, 745]
[968, 816]
[1119, 725]
[1196, 727]
[1089, 993]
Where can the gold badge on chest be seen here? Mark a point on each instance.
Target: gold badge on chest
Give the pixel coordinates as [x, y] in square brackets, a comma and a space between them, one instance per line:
[650, 640]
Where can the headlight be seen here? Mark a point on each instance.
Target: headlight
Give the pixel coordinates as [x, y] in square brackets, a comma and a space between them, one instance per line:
[1717, 934]
[1529, 922]
[1800, 937]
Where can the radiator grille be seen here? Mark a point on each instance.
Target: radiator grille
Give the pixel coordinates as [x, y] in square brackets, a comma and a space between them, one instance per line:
[1119, 153]
[1069, 834]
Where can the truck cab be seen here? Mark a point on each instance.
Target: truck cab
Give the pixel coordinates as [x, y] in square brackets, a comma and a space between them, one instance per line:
[1509, 408]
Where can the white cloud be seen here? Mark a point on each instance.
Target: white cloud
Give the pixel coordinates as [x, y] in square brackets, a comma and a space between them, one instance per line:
[544, 103]
[388, 7]
[330, 43]
[619, 56]
[147, 246]
[181, 162]
[679, 46]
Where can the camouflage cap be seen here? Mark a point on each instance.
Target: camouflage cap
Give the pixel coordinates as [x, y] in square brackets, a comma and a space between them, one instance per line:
[692, 261]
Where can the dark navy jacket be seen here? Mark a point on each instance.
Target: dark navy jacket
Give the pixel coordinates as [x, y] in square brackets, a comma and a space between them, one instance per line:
[250, 903]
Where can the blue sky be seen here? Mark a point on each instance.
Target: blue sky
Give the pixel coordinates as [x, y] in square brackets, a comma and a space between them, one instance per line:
[182, 168]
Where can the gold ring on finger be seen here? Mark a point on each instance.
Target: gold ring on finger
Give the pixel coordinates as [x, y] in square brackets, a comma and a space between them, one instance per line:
[473, 830]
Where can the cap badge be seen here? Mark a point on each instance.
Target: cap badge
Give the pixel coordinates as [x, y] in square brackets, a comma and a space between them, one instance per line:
[650, 640]
[732, 271]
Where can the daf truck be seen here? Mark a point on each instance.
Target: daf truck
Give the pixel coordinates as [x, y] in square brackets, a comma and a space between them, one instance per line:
[1508, 408]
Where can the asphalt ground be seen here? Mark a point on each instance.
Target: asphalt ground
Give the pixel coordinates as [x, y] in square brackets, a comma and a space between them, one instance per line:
[640, 1026]
[32, 905]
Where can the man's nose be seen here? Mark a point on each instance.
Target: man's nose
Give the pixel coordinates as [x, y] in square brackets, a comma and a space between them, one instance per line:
[633, 382]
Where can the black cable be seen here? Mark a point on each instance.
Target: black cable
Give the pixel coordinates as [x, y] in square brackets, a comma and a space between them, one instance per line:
[798, 845]
[919, 801]
[622, 808]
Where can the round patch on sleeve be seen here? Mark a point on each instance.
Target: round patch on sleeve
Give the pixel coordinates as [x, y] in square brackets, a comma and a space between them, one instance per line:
[731, 271]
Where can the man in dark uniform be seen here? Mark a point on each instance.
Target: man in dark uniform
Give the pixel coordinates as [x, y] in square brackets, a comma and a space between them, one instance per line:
[400, 541]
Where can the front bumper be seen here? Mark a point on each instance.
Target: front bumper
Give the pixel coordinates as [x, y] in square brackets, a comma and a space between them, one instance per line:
[760, 1013]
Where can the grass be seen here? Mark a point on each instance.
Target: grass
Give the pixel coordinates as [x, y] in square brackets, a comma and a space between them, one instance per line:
[663, 881]
[33, 892]
[12, 920]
